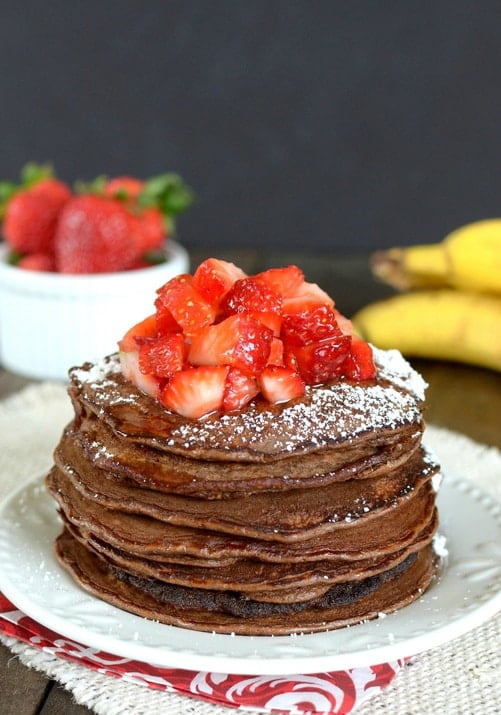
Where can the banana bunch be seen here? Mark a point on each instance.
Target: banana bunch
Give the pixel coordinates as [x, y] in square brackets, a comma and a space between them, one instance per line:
[449, 304]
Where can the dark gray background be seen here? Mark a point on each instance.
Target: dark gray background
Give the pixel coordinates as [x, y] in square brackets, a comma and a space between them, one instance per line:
[308, 125]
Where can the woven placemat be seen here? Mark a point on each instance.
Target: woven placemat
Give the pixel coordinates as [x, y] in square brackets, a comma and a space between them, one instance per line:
[461, 677]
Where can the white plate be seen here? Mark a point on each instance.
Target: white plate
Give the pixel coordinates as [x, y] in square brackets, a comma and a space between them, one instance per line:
[467, 593]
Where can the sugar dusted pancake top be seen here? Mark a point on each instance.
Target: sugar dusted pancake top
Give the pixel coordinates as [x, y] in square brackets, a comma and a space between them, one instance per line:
[326, 416]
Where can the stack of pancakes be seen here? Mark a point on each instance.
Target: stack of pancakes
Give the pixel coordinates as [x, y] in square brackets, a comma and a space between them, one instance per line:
[297, 517]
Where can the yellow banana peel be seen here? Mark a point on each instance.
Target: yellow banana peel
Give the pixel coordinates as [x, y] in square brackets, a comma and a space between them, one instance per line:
[469, 259]
[439, 324]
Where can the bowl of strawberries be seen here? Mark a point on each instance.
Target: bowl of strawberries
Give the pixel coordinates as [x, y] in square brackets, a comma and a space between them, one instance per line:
[78, 264]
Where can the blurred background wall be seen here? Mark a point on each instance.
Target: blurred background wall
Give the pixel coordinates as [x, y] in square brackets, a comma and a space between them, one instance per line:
[304, 124]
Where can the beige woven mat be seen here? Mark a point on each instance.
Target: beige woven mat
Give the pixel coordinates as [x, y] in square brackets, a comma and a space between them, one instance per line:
[462, 677]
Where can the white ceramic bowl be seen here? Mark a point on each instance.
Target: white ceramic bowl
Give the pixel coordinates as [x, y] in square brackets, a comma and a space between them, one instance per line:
[50, 322]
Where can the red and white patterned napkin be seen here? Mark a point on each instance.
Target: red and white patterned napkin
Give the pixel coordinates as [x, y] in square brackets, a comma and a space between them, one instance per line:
[336, 693]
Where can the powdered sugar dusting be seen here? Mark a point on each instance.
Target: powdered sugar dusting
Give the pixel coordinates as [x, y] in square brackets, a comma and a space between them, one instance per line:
[96, 373]
[332, 413]
[99, 377]
[391, 365]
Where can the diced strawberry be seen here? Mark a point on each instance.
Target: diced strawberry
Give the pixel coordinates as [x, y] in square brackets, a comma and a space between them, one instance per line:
[42, 262]
[285, 281]
[185, 304]
[280, 384]
[217, 339]
[214, 277]
[273, 321]
[360, 363]
[146, 328]
[309, 326]
[307, 296]
[166, 325]
[290, 360]
[239, 390]
[345, 325]
[322, 361]
[129, 362]
[249, 295]
[239, 341]
[276, 356]
[162, 356]
[196, 391]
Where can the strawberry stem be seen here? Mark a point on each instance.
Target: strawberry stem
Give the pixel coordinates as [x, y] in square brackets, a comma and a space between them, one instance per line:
[168, 193]
[13, 258]
[32, 173]
[7, 191]
[155, 257]
[95, 186]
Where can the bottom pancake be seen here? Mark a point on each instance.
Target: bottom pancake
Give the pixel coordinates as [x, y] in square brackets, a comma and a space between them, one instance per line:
[206, 610]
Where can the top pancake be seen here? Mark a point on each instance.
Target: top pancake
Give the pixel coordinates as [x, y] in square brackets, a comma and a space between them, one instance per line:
[327, 417]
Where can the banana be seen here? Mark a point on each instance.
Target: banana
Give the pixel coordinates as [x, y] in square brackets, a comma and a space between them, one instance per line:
[441, 324]
[469, 258]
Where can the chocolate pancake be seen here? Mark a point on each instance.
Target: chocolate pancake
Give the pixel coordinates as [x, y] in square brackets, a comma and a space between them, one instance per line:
[226, 613]
[274, 519]
[390, 527]
[331, 416]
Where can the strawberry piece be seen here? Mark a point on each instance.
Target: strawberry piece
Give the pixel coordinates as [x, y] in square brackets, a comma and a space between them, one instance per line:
[42, 262]
[145, 329]
[309, 326]
[213, 279]
[280, 384]
[307, 296]
[94, 236]
[273, 321]
[129, 363]
[166, 324]
[185, 304]
[290, 360]
[239, 341]
[345, 325]
[360, 363]
[249, 295]
[196, 391]
[31, 216]
[217, 340]
[322, 361]
[276, 356]
[239, 390]
[284, 281]
[162, 356]
[129, 347]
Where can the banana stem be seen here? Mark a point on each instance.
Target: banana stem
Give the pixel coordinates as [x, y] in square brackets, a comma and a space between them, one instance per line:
[420, 266]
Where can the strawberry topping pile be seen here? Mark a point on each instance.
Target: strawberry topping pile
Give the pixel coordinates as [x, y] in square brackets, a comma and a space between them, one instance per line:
[105, 226]
[219, 338]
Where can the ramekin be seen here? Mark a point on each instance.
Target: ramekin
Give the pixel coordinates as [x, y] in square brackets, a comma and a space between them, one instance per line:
[50, 322]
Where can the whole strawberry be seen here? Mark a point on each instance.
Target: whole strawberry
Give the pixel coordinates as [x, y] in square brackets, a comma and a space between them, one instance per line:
[155, 203]
[95, 235]
[114, 224]
[149, 227]
[126, 188]
[31, 210]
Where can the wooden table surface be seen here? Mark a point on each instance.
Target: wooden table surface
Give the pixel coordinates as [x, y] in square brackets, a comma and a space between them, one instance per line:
[459, 397]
